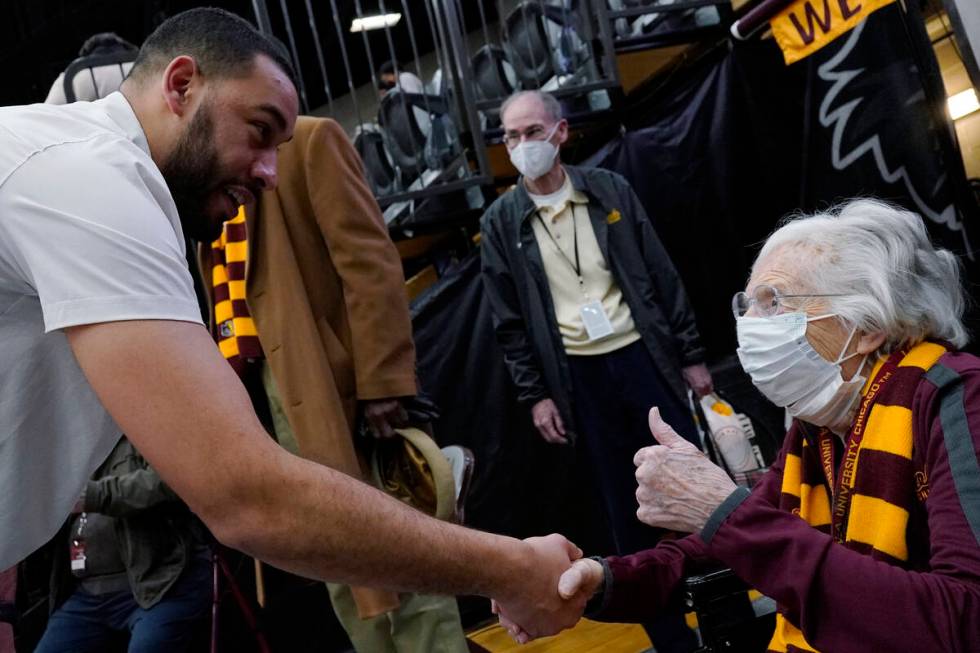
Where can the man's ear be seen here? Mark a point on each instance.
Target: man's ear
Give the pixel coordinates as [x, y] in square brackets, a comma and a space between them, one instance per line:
[179, 78]
[562, 131]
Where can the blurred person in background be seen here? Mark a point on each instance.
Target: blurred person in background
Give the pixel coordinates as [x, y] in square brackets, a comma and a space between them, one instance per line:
[132, 560]
[592, 318]
[96, 82]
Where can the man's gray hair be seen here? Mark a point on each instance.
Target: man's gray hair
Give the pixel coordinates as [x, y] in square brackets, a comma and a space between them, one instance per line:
[551, 106]
[881, 258]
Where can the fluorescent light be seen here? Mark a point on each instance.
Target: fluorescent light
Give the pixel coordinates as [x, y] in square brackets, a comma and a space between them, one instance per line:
[963, 104]
[374, 22]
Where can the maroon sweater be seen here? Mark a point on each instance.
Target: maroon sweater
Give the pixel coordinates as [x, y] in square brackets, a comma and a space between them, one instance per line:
[843, 600]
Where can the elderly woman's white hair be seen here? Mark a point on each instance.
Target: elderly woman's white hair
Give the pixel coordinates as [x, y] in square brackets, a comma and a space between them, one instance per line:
[880, 257]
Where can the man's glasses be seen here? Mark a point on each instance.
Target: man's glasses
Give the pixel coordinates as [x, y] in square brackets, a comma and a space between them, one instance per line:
[767, 301]
[533, 133]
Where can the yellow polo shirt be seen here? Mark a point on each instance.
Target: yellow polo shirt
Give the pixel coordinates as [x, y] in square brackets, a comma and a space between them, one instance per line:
[557, 212]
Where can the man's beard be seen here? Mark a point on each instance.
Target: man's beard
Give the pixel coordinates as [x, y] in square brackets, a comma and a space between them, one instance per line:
[192, 173]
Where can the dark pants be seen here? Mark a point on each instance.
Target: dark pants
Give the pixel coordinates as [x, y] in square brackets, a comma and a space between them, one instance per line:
[86, 623]
[612, 395]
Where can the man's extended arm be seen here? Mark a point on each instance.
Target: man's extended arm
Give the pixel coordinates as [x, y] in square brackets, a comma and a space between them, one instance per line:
[168, 388]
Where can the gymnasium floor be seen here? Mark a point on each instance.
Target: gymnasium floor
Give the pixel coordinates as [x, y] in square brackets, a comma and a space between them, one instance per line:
[586, 637]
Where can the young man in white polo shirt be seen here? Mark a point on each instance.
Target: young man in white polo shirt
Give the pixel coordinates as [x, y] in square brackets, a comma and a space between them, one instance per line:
[100, 331]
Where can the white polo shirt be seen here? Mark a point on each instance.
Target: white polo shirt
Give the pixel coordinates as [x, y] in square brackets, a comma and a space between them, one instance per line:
[89, 233]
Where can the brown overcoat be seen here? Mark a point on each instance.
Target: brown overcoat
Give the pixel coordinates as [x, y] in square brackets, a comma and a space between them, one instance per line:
[325, 287]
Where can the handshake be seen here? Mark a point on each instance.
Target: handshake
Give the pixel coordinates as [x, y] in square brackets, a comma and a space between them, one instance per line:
[553, 597]
[678, 488]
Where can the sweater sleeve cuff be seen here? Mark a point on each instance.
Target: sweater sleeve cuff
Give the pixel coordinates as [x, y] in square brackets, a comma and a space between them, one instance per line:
[600, 600]
[721, 513]
[91, 497]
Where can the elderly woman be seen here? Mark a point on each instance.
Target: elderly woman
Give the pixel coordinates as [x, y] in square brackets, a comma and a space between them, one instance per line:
[866, 531]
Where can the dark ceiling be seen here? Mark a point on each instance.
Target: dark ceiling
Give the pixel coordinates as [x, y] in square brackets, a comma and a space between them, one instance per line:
[39, 38]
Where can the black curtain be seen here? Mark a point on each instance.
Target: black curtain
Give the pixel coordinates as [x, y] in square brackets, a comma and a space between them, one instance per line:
[741, 140]
[877, 125]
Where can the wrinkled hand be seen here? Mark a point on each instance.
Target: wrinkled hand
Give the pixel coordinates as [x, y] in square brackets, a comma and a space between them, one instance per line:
[699, 379]
[384, 416]
[679, 487]
[534, 607]
[548, 421]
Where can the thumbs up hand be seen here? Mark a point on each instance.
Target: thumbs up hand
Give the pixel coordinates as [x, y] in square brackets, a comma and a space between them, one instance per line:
[678, 487]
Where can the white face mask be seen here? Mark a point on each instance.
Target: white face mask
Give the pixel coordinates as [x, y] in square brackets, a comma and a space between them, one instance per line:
[535, 158]
[786, 368]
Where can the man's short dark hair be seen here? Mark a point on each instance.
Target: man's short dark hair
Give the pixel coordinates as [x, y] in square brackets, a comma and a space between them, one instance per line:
[388, 68]
[105, 43]
[223, 45]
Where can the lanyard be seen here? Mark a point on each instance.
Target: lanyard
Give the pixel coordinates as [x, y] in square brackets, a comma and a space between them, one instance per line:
[576, 267]
[843, 489]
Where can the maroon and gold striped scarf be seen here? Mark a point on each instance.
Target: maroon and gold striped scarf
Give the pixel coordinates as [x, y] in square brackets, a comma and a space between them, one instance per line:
[233, 325]
[874, 490]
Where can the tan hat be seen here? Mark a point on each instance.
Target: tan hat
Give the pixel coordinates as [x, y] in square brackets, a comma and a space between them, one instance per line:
[412, 468]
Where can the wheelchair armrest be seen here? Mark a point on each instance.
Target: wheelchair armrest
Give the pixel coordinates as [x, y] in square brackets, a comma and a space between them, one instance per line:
[712, 585]
[727, 618]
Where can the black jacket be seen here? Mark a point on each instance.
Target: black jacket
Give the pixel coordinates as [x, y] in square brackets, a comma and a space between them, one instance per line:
[156, 532]
[524, 317]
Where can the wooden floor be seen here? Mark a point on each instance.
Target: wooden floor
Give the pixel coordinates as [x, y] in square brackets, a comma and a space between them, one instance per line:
[587, 636]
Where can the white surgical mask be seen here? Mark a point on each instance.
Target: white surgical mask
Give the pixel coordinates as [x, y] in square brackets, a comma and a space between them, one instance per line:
[535, 158]
[786, 368]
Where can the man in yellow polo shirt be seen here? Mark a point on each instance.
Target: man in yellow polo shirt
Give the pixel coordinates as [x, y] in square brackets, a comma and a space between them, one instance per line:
[592, 317]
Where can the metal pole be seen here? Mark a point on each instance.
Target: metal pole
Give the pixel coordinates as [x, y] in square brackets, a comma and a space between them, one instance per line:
[483, 23]
[440, 45]
[367, 48]
[296, 61]
[319, 54]
[543, 25]
[610, 69]
[407, 107]
[343, 54]
[464, 75]
[262, 16]
[415, 53]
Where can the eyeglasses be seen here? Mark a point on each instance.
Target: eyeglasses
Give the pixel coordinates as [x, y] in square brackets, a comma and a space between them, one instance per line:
[767, 301]
[533, 133]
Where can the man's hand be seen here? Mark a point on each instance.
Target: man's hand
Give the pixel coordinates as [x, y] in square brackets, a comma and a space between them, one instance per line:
[384, 416]
[535, 607]
[679, 487]
[547, 420]
[699, 379]
[577, 585]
